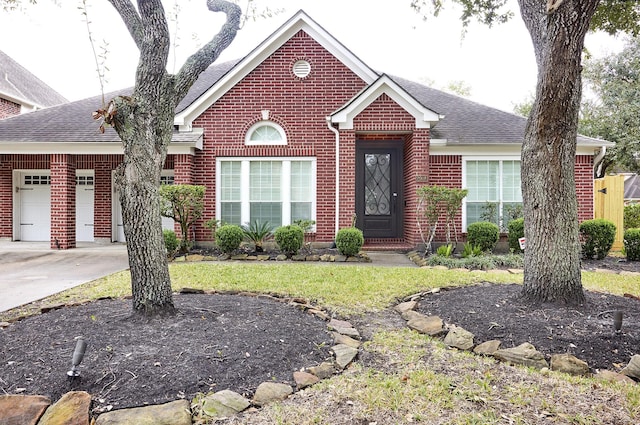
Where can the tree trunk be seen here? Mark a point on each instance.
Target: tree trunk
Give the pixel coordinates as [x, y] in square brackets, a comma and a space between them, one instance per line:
[552, 254]
[144, 122]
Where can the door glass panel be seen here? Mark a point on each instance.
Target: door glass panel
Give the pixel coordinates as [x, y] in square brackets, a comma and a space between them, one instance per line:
[377, 184]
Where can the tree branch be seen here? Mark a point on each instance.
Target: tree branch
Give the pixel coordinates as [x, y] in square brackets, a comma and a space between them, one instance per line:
[130, 18]
[200, 61]
[156, 41]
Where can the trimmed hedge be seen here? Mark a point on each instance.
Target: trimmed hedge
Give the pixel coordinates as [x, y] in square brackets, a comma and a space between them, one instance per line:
[632, 244]
[632, 216]
[349, 241]
[516, 231]
[289, 238]
[229, 237]
[598, 235]
[483, 234]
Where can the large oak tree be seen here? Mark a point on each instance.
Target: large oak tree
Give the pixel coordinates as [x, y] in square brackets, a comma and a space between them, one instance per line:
[557, 29]
[144, 122]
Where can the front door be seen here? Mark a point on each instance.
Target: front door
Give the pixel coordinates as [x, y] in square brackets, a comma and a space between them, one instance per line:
[379, 199]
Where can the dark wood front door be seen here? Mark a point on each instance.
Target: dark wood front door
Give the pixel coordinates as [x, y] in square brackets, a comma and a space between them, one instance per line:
[379, 198]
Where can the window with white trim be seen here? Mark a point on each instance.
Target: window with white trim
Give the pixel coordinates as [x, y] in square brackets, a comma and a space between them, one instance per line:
[494, 191]
[265, 133]
[274, 190]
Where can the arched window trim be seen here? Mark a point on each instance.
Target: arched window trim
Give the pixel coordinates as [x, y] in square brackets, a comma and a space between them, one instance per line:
[260, 124]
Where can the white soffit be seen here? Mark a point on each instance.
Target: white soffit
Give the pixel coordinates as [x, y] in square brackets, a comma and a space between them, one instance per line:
[425, 118]
[300, 21]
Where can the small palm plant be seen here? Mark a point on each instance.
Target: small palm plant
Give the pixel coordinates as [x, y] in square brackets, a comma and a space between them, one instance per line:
[258, 233]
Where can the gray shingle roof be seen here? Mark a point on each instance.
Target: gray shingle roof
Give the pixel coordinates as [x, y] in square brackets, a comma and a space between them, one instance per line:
[464, 122]
[18, 83]
[632, 187]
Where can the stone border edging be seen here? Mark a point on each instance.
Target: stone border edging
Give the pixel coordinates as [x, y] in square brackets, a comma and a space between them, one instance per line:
[73, 407]
[524, 354]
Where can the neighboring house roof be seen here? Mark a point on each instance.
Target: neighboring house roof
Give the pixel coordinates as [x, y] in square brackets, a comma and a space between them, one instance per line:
[632, 188]
[453, 119]
[21, 86]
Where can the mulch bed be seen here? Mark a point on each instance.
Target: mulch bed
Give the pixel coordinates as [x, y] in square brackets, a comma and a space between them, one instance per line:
[493, 311]
[219, 341]
[215, 342]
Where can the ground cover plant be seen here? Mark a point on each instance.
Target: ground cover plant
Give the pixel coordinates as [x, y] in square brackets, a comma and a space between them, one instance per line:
[400, 376]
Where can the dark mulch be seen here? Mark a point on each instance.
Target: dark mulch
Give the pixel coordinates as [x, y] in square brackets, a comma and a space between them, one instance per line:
[215, 342]
[492, 311]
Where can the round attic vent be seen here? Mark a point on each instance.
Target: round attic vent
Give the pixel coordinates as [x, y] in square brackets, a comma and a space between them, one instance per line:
[301, 68]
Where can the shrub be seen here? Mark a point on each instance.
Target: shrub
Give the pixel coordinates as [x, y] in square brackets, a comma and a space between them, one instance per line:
[170, 241]
[598, 235]
[469, 250]
[483, 234]
[258, 233]
[516, 231]
[632, 244]
[445, 250]
[349, 241]
[229, 237]
[289, 238]
[632, 216]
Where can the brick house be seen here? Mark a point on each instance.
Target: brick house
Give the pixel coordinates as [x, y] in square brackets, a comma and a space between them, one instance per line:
[300, 128]
[21, 91]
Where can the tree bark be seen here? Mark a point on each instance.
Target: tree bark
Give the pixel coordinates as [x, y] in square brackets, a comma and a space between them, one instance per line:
[144, 122]
[552, 254]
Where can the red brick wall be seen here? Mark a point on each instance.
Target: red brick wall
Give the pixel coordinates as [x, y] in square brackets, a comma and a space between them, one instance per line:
[584, 187]
[8, 108]
[446, 170]
[63, 201]
[6, 197]
[299, 106]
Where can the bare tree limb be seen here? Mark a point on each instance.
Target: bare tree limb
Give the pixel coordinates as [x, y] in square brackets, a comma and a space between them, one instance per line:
[199, 61]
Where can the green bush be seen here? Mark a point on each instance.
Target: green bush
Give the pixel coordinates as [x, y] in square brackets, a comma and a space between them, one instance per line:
[469, 250]
[289, 238]
[632, 216]
[170, 241]
[516, 231]
[632, 244]
[445, 250]
[483, 234]
[229, 237]
[349, 241]
[598, 236]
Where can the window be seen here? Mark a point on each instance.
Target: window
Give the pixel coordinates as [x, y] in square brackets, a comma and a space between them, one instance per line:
[494, 191]
[275, 190]
[265, 133]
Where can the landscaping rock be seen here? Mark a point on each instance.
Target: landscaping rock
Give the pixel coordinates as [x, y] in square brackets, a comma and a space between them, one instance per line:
[406, 306]
[318, 313]
[346, 340]
[4, 325]
[299, 257]
[268, 392]
[263, 257]
[487, 348]
[240, 257]
[327, 258]
[632, 370]
[281, 257]
[524, 354]
[313, 257]
[430, 325]
[304, 379]
[344, 354]
[323, 371]
[71, 409]
[173, 413]
[411, 314]
[345, 328]
[607, 375]
[570, 364]
[224, 403]
[458, 337]
[22, 409]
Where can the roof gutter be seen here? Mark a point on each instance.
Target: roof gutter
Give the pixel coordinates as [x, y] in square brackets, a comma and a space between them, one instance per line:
[337, 133]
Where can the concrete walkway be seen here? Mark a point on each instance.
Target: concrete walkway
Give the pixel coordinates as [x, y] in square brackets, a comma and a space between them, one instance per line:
[30, 271]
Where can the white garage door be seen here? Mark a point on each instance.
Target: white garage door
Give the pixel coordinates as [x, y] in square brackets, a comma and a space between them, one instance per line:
[84, 208]
[35, 207]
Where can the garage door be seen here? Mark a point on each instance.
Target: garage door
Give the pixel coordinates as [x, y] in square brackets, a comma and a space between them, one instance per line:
[35, 207]
[84, 208]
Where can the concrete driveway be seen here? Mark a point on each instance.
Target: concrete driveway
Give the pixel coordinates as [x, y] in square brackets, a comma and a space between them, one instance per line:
[30, 271]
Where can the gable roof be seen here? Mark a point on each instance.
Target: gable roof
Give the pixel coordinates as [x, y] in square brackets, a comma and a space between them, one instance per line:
[19, 85]
[459, 121]
[632, 187]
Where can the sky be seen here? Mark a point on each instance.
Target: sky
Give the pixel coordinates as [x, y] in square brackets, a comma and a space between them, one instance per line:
[497, 64]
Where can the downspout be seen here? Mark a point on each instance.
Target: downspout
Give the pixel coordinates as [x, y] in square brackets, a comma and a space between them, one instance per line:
[597, 161]
[337, 133]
